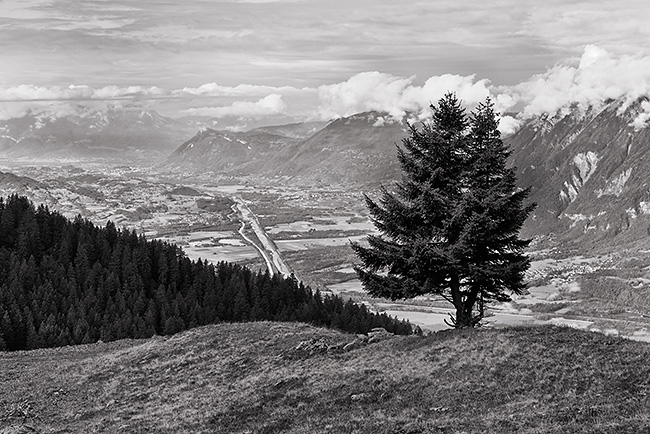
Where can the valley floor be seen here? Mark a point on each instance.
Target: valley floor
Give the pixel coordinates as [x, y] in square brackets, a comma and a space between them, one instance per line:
[307, 231]
[280, 377]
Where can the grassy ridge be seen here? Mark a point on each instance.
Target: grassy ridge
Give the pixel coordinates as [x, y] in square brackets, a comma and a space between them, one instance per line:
[256, 377]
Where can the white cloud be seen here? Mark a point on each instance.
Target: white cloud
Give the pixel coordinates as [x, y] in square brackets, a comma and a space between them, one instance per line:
[376, 91]
[11, 111]
[509, 125]
[214, 89]
[109, 92]
[643, 117]
[364, 92]
[599, 76]
[267, 106]
[51, 109]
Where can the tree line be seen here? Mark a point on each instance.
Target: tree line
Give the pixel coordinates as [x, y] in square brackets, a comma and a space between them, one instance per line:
[67, 282]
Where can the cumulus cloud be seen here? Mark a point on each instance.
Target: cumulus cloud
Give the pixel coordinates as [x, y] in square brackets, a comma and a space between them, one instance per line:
[11, 111]
[641, 120]
[509, 125]
[365, 91]
[599, 76]
[376, 91]
[269, 105]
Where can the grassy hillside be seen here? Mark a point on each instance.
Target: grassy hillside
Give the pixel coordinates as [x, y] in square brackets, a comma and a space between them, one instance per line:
[279, 377]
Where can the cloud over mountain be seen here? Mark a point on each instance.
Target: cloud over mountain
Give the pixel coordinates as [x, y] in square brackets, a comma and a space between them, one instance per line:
[396, 95]
[599, 76]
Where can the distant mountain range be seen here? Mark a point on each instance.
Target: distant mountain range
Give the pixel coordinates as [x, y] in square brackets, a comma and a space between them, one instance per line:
[113, 134]
[587, 168]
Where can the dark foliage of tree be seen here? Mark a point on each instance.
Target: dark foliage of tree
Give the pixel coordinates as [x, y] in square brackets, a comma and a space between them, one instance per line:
[68, 282]
[452, 226]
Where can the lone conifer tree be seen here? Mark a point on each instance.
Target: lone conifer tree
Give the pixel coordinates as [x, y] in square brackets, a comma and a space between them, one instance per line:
[451, 227]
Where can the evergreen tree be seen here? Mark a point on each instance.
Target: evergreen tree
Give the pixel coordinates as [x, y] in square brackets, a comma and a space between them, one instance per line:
[451, 228]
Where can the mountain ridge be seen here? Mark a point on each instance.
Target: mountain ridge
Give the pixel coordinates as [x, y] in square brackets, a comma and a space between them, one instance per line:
[358, 149]
[105, 134]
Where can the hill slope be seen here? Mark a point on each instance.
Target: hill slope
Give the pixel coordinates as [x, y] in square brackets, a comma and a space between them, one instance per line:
[272, 377]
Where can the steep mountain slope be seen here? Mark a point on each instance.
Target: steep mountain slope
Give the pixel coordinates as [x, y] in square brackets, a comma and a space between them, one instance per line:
[97, 134]
[232, 153]
[352, 150]
[589, 173]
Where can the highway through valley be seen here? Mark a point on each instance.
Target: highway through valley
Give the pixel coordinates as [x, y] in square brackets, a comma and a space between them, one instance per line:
[268, 251]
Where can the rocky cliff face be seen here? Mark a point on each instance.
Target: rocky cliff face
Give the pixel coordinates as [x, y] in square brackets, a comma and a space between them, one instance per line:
[588, 170]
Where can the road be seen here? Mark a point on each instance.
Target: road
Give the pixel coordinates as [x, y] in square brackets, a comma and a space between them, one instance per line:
[269, 252]
[263, 253]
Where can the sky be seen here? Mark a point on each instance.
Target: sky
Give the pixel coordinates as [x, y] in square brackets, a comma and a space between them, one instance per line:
[281, 60]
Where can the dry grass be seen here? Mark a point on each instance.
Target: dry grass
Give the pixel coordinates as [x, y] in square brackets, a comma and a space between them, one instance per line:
[250, 378]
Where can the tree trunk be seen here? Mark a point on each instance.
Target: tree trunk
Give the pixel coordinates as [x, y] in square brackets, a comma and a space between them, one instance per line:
[470, 301]
[463, 317]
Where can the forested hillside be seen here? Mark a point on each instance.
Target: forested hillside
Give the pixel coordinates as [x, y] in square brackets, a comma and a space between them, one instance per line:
[68, 282]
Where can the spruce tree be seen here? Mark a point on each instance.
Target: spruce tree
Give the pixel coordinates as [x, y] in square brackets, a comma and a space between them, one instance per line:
[451, 226]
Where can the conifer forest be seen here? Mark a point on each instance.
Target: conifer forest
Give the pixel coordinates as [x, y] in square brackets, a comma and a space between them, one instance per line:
[66, 282]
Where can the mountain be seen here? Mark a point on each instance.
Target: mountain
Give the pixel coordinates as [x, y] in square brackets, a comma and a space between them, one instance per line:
[15, 184]
[234, 153]
[359, 149]
[588, 170]
[112, 133]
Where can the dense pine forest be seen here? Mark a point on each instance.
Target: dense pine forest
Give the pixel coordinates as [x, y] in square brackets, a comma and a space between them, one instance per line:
[66, 282]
